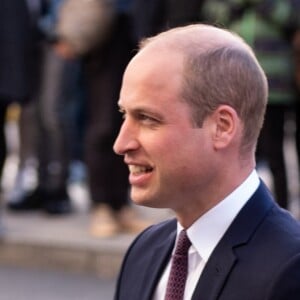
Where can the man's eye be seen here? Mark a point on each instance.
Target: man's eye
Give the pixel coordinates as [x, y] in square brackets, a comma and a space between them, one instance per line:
[146, 118]
[122, 113]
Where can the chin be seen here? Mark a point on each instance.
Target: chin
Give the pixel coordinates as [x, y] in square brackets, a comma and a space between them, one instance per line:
[143, 202]
[140, 198]
[148, 201]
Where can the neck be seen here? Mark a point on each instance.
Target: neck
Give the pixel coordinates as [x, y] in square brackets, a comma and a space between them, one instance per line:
[188, 213]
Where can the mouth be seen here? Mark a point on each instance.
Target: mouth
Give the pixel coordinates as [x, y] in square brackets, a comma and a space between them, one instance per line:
[139, 170]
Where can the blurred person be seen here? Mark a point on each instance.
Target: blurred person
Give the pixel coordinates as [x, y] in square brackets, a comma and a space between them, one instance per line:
[25, 179]
[99, 33]
[189, 143]
[107, 175]
[104, 63]
[268, 26]
[57, 91]
[15, 50]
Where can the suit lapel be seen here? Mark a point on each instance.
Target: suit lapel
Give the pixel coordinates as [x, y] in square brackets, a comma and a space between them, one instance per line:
[223, 258]
[157, 263]
[214, 276]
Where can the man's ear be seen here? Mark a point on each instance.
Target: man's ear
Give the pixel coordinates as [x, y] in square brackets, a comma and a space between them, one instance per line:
[225, 121]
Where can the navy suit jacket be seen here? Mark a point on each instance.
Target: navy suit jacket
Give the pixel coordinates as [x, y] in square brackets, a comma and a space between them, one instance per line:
[258, 258]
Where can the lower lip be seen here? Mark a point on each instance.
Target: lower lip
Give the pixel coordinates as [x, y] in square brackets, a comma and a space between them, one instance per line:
[139, 179]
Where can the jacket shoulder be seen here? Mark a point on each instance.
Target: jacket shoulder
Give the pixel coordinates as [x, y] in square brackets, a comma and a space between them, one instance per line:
[145, 260]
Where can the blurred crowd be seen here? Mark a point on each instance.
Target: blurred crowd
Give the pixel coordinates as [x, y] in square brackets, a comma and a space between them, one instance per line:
[62, 61]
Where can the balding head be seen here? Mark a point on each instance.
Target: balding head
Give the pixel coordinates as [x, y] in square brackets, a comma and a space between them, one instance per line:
[218, 68]
[191, 38]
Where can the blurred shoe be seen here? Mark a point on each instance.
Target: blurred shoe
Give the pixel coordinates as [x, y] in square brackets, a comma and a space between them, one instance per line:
[25, 182]
[27, 201]
[54, 203]
[104, 222]
[57, 202]
[130, 221]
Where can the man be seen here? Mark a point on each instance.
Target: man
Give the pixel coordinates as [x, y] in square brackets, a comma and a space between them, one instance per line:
[193, 100]
[15, 66]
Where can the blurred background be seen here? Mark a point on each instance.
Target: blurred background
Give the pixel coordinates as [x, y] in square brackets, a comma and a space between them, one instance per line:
[66, 219]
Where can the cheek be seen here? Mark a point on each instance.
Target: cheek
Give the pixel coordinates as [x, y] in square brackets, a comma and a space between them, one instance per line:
[177, 149]
[186, 159]
[193, 158]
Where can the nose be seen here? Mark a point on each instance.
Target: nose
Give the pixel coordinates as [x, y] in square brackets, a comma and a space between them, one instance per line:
[126, 140]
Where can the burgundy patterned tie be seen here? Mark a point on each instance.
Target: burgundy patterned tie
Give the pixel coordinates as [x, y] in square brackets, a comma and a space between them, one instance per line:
[178, 274]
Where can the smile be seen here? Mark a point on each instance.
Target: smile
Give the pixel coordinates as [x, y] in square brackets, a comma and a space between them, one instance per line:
[137, 170]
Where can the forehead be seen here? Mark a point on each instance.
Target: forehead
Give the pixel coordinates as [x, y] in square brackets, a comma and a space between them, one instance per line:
[152, 83]
[153, 71]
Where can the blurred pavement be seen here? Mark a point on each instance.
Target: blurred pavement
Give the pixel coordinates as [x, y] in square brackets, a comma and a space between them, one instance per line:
[22, 284]
[34, 239]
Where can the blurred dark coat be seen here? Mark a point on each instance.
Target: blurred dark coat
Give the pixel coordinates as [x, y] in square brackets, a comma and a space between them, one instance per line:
[153, 16]
[15, 43]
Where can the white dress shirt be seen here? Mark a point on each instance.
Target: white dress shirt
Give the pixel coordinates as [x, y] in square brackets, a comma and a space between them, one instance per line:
[206, 233]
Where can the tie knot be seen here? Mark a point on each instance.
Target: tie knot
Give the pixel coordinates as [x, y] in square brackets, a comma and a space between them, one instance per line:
[183, 244]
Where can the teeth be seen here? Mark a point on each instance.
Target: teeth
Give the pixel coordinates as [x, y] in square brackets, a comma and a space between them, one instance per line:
[138, 169]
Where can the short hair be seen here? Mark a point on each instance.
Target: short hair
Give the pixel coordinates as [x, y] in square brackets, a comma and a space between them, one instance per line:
[219, 71]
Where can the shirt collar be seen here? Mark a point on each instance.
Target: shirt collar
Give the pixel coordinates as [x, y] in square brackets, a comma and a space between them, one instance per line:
[207, 231]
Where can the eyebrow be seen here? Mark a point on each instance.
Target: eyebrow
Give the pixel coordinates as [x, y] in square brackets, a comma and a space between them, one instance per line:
[142, 110]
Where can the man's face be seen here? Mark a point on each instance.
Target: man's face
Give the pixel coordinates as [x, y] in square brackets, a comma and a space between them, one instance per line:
[169, 159]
